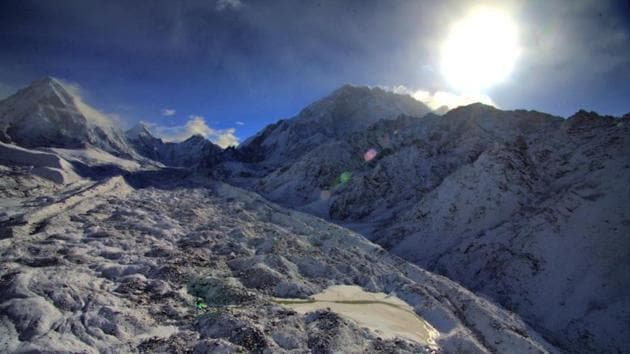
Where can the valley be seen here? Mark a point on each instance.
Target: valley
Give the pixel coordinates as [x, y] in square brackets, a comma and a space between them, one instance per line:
[365, 223]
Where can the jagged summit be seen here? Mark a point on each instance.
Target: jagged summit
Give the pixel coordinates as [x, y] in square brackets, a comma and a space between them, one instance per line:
[138, 130]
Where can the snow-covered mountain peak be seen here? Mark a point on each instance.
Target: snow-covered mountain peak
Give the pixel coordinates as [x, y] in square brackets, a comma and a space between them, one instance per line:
[356, 107]
[139, 130]
[46, 90]
[48, 114]
[46, 81]
[347, 110]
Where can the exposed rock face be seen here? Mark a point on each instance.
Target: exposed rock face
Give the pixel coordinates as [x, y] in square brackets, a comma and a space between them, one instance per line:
[46, 114]
[521, 206]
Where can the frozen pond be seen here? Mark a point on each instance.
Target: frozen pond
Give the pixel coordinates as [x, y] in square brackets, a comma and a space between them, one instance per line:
[384, 314]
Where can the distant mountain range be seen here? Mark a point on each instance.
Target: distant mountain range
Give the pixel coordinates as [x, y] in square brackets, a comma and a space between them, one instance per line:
[188, 153]
[524, 208]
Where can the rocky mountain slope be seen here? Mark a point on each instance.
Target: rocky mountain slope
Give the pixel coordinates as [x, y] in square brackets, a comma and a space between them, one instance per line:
[523, 207]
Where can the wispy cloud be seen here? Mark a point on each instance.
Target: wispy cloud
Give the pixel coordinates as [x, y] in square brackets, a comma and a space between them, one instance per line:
[239, 123]
[439, 99]
[167, 112]
[79, 93]
[229, 5]
[197, 125]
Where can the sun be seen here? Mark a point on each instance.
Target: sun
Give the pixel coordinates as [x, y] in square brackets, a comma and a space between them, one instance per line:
[480, 51]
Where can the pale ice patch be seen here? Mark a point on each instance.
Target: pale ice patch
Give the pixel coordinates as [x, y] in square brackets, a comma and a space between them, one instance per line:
[387, 315]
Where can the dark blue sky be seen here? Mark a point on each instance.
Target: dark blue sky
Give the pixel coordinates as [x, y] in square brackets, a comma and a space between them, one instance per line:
[258, 61]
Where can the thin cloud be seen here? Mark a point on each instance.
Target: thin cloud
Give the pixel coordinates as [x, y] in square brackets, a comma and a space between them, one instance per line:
[167, 112]
[440, 99]
[78, 93]
[196, 125]
[239, 123]
[229, 5]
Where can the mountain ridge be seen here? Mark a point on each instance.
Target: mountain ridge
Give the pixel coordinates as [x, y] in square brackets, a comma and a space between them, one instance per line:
[186, 153]
[512, 204]
[441, 191]
[344, 111]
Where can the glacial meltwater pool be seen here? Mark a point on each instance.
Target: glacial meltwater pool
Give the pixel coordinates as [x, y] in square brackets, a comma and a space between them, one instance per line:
[384, 314]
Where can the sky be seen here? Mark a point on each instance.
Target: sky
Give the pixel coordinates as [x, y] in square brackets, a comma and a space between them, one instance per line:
[227, 68]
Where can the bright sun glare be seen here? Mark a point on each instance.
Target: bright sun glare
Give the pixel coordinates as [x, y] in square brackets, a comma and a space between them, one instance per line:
[480, 51]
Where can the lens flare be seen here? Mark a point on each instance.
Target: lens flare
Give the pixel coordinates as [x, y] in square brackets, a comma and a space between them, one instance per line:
[344, 177]
[369, 155]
